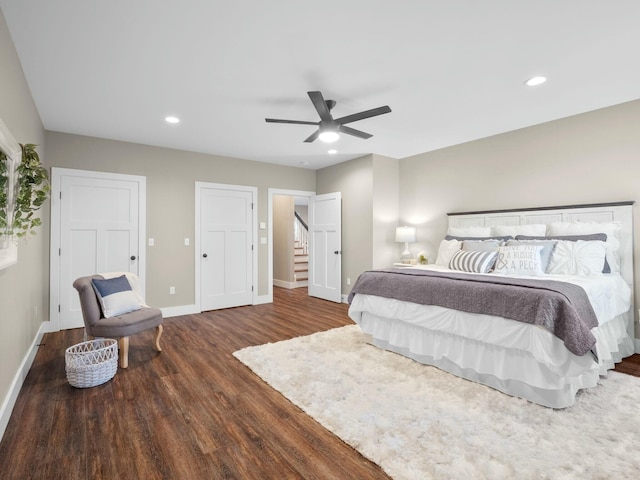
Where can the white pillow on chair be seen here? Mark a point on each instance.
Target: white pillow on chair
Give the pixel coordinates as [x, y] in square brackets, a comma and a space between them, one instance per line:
[115, 296]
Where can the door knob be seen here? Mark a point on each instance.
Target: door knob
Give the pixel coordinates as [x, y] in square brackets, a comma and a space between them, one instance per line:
[133, 257]
[204, 255]
[337, 252]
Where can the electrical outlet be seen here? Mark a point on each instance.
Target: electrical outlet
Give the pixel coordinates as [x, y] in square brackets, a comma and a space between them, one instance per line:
[186, 242]
[151, 242]
[348, 281]
[172, 290]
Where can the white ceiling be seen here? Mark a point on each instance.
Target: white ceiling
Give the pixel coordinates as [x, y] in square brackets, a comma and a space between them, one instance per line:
[451, 71]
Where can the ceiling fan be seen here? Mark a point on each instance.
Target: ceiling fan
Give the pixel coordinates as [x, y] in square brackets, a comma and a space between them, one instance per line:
[330, 128]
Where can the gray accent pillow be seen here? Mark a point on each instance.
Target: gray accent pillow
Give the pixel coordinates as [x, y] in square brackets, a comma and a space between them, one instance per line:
[602, 237]
[481, 245]
[453, 237]
[545, 254]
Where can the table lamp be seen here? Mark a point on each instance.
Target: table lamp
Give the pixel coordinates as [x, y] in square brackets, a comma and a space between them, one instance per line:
[406, 235]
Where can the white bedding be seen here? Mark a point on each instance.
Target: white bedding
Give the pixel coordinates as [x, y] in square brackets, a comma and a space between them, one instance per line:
[609, 294]
[517, 358]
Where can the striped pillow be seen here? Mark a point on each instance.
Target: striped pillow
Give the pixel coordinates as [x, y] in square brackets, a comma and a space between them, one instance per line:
[469, 261]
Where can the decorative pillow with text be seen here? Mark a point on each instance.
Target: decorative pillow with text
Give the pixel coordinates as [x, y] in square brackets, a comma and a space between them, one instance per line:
[519, 260]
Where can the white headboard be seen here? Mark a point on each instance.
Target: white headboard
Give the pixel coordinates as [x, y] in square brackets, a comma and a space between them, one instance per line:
[620, 212]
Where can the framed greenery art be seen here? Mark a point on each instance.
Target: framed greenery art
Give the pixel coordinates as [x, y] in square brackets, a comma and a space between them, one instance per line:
[24, 187]
[10, 154]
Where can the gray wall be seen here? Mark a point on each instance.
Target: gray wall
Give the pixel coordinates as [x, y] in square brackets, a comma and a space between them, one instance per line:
[171, 177]
[370, 199]
[354, 179]
[588, 158]
[24, 286]
[385, 209]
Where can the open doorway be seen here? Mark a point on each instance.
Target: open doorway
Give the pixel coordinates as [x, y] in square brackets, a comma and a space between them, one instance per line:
[324, 241]
[288, 240]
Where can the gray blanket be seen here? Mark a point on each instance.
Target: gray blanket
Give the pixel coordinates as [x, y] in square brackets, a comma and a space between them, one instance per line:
[562, 308]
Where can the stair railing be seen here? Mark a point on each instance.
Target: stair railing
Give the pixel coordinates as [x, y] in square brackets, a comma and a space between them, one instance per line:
[300, 233]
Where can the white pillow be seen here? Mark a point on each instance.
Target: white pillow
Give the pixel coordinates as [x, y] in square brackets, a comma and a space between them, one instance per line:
[612, 230]
[469, 231]
[477, 262]
[533, 229]
[446, 251]
[577, 258]
[115, 296]
[520, 259]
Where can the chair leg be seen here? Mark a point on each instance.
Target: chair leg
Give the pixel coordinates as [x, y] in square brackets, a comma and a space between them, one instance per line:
[159, 330]
[123, 345]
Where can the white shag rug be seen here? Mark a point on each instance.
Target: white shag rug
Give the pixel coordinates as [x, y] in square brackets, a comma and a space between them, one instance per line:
[418, 422]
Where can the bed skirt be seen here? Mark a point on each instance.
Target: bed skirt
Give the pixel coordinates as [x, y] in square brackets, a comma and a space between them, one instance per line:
[515, 358]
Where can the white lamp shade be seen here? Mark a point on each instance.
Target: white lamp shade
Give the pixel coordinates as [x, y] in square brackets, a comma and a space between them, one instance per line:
[405, 234]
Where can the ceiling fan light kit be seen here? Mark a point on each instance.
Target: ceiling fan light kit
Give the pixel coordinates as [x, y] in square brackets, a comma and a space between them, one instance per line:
[329, 129]
[328, 132]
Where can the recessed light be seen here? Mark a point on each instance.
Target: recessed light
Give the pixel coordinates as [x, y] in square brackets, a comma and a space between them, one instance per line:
[535, 81]
[333, 151]
[171, 119]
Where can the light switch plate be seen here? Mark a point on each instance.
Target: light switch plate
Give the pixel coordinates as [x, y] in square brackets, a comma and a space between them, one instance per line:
[263, 225]
[263, 240]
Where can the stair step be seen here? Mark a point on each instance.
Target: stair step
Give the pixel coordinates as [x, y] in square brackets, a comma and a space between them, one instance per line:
[301, 259]
[300, 268]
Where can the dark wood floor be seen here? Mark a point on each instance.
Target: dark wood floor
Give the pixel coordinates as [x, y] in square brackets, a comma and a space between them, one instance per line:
[190, 412]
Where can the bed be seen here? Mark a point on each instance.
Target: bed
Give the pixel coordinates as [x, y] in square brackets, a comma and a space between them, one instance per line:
[538, 304]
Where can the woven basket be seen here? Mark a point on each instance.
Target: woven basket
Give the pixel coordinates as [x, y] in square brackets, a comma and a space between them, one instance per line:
[91, 363]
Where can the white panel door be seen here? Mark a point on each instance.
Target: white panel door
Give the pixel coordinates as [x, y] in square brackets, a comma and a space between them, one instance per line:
[226, 247]
[98, 219]
[325, 246]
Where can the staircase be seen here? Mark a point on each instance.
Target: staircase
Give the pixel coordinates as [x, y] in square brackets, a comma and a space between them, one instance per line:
[300, 265]
[300, 253]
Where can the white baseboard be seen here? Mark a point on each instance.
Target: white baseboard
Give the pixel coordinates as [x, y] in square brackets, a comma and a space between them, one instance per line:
[283, 284]
[637, 344]
[290, 285]
[345, 298]
[48, 327]
[12, 395]
[261, 299]
[168, 312]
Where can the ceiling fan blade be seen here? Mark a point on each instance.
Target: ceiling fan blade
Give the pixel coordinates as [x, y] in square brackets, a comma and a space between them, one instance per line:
[311, 138]
[354, 132]
[321, 106]
[362, 115]
[297, 122]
